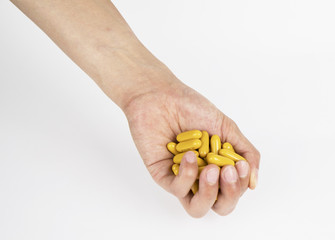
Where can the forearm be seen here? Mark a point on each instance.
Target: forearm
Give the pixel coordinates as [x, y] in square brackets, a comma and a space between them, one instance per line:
[96, 37]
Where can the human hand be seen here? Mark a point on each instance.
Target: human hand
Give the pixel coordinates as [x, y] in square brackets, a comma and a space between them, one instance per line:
[158, 106]
[156, 117]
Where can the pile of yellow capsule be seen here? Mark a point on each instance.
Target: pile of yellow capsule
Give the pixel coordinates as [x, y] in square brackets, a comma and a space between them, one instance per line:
[207, 149]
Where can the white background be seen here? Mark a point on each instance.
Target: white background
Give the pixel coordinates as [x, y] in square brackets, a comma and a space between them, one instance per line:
[69, 168]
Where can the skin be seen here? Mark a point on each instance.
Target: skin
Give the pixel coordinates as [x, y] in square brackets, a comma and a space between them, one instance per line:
[158, 106]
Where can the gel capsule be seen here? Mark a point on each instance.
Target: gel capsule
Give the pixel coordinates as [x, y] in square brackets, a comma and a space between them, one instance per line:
[230, 154]
[201, 162]
[215, 144]
[188, 135]
[195, 187]
[175, 169]
[219, 160]
[179, 156]
[188, 145]
[228, 146]
[208, 154]
[204, 149]
[171, 146]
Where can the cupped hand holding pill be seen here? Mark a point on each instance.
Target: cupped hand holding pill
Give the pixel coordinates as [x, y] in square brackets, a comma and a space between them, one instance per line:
[158, 106]
[157, 117]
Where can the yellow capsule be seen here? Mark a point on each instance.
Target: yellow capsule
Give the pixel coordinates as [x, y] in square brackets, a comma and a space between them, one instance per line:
[171, 146]
[175, 169]
[179, 156]
[201, 162]
[230, 154]
[227, 145]
[188, 145]
[208, 154]
[200, 170]
[188, 135]
[219, 160]
[195, 187]
[215, 144]
[204, 149]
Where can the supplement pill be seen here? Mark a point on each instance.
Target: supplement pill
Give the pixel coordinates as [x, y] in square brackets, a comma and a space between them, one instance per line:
[208, 154]
[201, 162]
[171, 146]
[188, 145]
[219, 160]
[230, 154]
[228, 146]
[175, 169]
[185, 136]
[204, 149]
[195, 187]
[215, 144]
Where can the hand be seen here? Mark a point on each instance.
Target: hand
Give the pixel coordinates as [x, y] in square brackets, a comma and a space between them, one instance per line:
[158, 106]
[156, 117]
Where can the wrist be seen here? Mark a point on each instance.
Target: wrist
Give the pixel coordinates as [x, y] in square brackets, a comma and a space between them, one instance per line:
[127, 73]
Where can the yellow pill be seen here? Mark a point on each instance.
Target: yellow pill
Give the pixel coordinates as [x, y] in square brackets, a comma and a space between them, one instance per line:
[179, 156]
[215, 144]
[200, 170]
[230, 154]
[208, 154]
[201, 162]
[188, 135]
[171, 146]
[227, 145]
[195, 187]
[175, 169]
[204, 149]
[188, 145]
[219, 160]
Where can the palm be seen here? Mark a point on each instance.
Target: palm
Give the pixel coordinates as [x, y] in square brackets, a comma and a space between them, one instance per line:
[156, 118]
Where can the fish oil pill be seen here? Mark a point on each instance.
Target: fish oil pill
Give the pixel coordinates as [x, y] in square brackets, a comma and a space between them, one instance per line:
[188, 145]
[195, 187]
[219, 160]
[228, 146]
[215, 144]
[230, 154]
[171, 146]
[175, 169]
[204, 149]
[179, 156]
[185, 136]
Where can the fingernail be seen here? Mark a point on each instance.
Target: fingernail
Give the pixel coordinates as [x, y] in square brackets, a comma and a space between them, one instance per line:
[230, 174]
[254, 178]
[212, 175]
[242, 168]
[190, 157]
